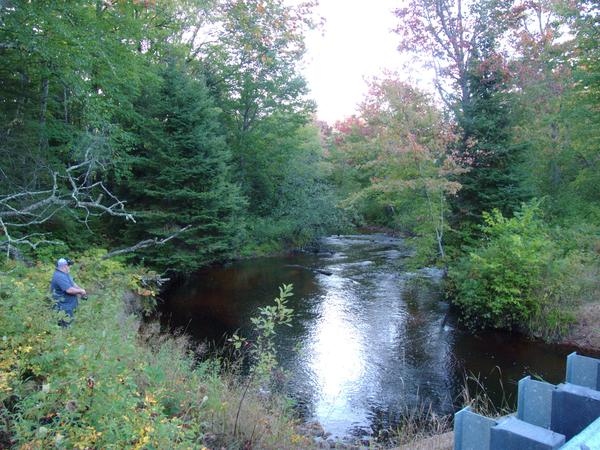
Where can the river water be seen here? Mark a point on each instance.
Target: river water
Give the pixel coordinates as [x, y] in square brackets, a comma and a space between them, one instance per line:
[368, 341]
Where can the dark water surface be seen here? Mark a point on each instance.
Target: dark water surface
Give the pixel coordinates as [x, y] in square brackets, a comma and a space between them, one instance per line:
[368, 341]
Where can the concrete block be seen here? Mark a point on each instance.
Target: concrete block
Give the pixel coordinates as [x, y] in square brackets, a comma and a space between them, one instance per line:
[588, 439]
[514, 434]
[471, 430]
[583, 371]
[534, 402]
[573, 409]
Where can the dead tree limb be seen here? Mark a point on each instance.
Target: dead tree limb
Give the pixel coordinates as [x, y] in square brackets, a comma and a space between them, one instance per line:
[73, 189]
[145, 243]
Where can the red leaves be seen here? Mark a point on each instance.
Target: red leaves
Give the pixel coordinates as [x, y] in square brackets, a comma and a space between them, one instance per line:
[352, 126]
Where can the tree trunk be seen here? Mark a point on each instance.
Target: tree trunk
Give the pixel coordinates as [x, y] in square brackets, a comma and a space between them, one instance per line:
[66, 104]
[42, 120]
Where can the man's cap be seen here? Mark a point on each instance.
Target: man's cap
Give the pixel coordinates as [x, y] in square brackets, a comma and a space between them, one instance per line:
[64, 262]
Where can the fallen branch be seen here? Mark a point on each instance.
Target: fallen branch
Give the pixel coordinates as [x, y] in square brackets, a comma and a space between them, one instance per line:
[73, 189]
[145, 243]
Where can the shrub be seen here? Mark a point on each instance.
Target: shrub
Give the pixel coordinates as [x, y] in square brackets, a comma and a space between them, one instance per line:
[495, 284]
[262, 349]
[527, 275]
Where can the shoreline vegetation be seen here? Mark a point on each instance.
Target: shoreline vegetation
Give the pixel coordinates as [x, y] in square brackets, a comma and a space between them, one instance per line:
[108, 381]
[111, 380]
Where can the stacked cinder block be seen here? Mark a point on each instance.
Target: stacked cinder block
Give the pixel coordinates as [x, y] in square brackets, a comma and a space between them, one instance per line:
[549, 417]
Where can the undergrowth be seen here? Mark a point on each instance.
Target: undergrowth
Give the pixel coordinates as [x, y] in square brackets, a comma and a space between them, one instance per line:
[416, 424]
[103, 383]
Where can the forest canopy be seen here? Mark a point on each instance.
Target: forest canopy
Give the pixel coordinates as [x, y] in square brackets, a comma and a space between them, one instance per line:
[183, 123]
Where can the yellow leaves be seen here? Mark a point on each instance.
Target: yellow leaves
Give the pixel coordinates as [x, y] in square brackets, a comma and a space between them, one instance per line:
[8, 372]
[145, 284]
[144, 438]
[146, 292]
[297, 439]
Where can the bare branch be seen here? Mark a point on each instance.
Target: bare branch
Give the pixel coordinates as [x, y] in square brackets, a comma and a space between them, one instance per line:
[72, 190]
[145, 243]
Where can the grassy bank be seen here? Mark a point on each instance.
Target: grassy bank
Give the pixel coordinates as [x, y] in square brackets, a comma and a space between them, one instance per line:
[103, 383]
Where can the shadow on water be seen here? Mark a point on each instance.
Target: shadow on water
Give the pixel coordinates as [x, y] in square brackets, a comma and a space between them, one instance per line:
[368, 340]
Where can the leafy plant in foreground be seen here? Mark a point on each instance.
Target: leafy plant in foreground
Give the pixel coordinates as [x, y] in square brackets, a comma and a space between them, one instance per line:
[262, 351]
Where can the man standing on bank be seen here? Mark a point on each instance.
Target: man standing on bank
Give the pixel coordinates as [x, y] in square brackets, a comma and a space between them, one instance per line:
[64, 290]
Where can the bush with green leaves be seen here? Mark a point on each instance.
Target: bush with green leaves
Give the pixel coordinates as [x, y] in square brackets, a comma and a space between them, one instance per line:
[262, 349]
[513, 279]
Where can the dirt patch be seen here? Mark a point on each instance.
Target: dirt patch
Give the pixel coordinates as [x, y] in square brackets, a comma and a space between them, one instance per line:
[440, 442]
[586, 333]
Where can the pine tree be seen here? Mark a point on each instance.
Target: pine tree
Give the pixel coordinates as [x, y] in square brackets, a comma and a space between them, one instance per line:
[180, 175]
[486, 145]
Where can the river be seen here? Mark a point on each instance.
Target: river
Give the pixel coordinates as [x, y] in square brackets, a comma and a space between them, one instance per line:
[368, 341]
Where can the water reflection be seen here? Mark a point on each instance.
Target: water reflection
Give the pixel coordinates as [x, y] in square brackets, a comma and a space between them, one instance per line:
[368, 341]
[338, 362]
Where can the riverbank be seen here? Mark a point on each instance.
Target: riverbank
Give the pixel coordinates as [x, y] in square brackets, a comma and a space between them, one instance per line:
[585, 333]
[108, 382]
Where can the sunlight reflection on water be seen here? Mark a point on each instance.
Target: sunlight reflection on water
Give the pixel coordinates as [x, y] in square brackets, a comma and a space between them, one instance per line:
[338, 362]
[366, 342]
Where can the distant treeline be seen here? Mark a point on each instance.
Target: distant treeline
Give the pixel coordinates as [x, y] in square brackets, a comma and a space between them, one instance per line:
[498, 175]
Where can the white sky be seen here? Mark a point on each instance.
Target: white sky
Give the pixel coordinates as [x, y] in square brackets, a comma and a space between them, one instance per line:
[357, 42]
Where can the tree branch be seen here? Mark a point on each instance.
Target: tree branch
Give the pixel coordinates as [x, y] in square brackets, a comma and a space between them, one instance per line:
[145, 243]
[72, 190]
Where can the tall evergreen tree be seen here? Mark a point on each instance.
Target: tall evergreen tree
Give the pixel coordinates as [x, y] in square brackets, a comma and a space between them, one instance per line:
[486, 145]
[180, 175]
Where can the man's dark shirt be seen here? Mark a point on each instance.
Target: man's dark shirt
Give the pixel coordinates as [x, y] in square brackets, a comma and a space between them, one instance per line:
[60, 283]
